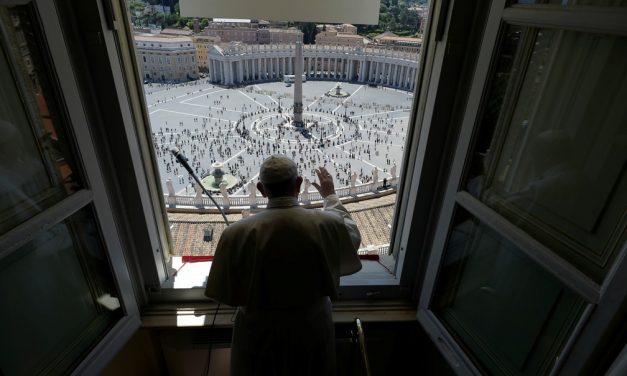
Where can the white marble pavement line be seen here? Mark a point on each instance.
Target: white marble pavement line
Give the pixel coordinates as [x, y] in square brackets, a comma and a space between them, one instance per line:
[380, 143]
[252, 99]
[363, 160]
[272, 99]
[168, 143]
[233, 156]
[378, 113]
[194, 115]
[199, 96]
[347, 98]
[177, 97]
[214, 107]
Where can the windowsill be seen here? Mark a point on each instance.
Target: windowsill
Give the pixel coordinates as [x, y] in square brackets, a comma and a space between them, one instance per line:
[190, 315]
[194, 274]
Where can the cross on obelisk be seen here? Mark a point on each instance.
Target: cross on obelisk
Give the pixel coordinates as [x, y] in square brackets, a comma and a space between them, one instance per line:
[298, 83]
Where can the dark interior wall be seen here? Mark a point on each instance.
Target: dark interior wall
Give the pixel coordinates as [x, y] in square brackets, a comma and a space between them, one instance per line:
[399, 348]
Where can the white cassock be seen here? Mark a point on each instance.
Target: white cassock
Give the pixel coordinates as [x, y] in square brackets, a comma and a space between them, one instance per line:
[282, 267]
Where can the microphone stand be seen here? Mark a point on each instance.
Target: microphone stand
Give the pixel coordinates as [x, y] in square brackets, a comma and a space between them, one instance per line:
[183, 161]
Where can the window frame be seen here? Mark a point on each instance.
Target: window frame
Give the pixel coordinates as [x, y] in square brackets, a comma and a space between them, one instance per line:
[405, 277]
[604, 300]
[94, 194]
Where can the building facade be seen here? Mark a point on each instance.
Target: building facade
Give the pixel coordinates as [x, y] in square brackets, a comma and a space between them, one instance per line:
[232, 30]
[163, 58]
[398, 43]
[339, 35]
[335, 38]
[238, 64]
[202, 43]
[277, 36]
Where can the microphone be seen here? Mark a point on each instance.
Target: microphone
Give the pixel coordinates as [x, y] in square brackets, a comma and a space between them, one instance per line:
[183, 161]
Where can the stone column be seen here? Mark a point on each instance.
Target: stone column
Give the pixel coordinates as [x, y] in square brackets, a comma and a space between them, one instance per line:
[298, 84]
[198, 198]
[171, 193]
[226, 202]
[394, 75]
[352, 190]
[362, 70]
[393, 175]
[304, 195]
[252, 194]
[375, 179]
[284, 65]
[404, 77]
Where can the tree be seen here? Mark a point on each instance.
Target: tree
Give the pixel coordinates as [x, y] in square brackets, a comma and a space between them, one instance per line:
[204, 23]
[309, 31]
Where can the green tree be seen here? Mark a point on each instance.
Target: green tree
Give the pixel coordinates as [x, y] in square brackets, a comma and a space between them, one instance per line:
[309, 31]
[204, 23]
[182, 22]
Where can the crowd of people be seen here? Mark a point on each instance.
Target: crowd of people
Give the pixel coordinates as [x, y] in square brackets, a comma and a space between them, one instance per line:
[348, 136]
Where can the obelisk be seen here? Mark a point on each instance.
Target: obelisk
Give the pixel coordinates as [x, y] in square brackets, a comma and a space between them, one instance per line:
[298, 83]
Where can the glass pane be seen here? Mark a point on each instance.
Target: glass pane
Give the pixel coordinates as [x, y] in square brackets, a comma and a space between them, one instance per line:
[599, 3]
[510, 315]
[36, 170]
[58, 298]
[552, 145]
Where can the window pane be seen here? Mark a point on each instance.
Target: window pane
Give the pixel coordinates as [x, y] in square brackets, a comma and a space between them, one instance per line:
[58, 298]
[36, 170]
[552, 146]
[512, 316]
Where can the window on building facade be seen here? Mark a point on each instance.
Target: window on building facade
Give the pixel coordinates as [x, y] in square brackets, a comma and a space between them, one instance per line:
[359, 129]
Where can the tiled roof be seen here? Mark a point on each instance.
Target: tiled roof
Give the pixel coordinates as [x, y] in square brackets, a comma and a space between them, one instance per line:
[373, 218]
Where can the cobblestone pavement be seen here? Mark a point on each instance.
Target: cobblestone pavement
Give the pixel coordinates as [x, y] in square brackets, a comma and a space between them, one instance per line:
[373, 217]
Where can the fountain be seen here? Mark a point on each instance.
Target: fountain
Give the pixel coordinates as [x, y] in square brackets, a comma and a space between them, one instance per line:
[218, 176]
[337, 92]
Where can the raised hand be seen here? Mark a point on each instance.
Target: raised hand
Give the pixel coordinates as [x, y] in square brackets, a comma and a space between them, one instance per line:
[326, 182]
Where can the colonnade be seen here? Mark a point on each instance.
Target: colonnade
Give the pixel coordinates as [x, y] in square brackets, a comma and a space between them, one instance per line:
[235, 67]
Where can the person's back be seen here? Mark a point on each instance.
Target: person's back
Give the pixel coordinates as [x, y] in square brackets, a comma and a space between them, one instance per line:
[281, 267]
